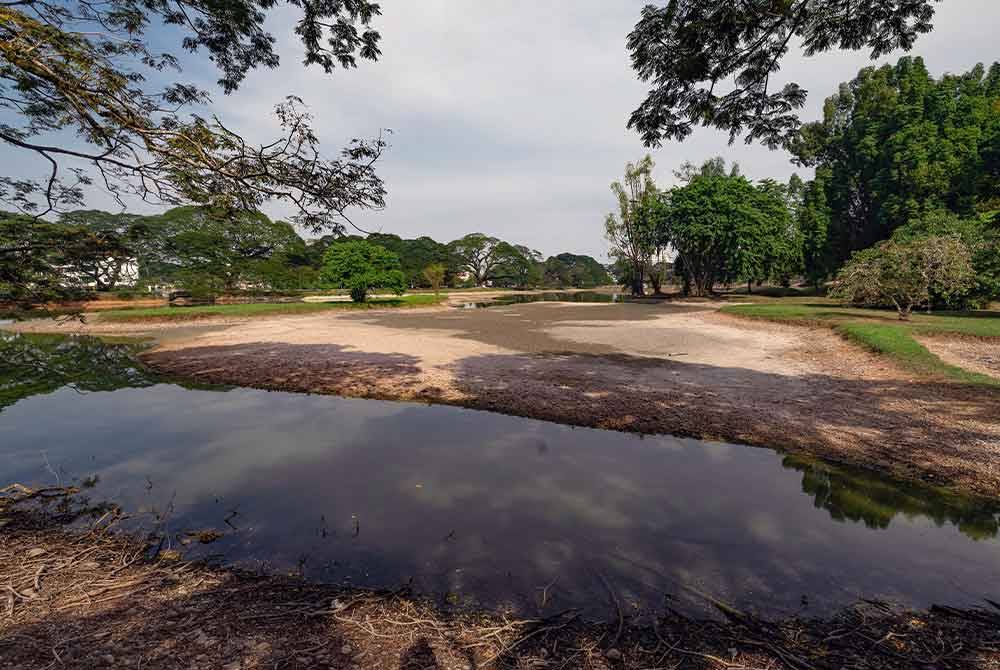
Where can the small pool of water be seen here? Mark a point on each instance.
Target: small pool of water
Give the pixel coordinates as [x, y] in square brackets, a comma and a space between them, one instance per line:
[479, 508]
[556, 296]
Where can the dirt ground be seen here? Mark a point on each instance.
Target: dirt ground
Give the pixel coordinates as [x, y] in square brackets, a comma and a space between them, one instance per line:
[89, 597]
[672, 368]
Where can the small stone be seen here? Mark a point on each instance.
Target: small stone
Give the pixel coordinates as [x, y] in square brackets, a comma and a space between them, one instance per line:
[346, 649]
[108, 658]
[613, 655]
[37, 551]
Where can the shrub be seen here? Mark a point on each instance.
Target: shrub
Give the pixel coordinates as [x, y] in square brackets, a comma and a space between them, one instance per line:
[906, 273]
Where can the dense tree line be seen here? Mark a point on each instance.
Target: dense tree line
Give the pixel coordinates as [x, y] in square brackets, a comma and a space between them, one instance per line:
[209, 250]
[904, 164]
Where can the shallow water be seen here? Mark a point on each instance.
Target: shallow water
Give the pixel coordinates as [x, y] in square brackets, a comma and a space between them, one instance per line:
[480, 508]
[556, 296]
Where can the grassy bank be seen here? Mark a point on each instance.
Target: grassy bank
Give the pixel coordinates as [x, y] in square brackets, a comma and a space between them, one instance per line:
[882, 331]
[262, 309]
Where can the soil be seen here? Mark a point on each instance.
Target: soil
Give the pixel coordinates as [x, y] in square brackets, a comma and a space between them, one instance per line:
[974, 354]
[77, 594]
[672, 368]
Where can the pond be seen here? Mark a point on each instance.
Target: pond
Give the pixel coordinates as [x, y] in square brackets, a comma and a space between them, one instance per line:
[551, 296]
[476, 508]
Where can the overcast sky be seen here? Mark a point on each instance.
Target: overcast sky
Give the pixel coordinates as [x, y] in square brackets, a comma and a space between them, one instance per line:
[508, 116]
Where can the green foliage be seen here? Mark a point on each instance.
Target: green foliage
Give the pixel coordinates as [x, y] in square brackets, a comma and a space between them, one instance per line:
[39, 364]
[75, 68]
[883, 333]
[435, 274]
[571, 270]
[38, 259]
[634, 231]
[688, 49]
[980, 235]
[361, 266]
[907, 274]
[518, 267]
[895, 145]
[726, 229]
[480, 255]
[416, 255]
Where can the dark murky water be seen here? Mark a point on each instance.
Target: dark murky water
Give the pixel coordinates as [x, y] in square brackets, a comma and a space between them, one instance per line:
[557, 296]
[476, 507]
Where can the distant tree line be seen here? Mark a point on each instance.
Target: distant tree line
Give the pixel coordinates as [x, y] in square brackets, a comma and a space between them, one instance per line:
[907, 170]
[207, 250]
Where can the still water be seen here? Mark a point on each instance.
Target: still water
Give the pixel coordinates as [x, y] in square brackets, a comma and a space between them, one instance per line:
[479, 508]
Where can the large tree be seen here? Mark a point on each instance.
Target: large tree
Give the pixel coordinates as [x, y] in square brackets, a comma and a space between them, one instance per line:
[726, 229]
[896, 144]
[361, 266]
[632, 231]
[480, 255]
[715, 62]
[86, 89]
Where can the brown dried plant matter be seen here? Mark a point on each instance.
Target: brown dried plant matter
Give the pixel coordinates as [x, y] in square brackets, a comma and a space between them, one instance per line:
[89, 597]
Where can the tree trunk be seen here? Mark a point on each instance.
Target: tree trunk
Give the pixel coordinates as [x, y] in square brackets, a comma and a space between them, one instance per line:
[749, 287]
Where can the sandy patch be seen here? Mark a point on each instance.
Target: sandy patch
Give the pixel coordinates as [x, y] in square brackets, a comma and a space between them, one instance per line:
[980, 356]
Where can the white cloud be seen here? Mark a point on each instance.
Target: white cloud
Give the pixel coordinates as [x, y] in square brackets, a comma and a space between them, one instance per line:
[509, 116]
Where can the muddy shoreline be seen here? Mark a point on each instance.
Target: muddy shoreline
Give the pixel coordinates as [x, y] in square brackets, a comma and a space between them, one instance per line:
[653, 369]
[88, 596]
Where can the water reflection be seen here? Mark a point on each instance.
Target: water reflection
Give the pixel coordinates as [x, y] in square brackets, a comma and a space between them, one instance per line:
[479, 507]
[552, 296]
[856, 495]
[40, 364]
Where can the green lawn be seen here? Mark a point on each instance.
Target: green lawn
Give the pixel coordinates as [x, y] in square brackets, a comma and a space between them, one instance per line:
[261, 309]
[882, 331]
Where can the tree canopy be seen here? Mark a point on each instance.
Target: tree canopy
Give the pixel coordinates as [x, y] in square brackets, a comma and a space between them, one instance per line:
[726, 229]
[632, 230]
[896, 144]
[87, 70]
[361, 266]
[715, 63]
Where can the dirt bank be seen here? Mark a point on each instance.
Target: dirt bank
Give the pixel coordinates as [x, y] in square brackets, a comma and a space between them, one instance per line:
[92, 598]
[669, 368]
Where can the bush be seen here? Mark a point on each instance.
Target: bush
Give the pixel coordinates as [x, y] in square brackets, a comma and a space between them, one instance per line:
[907, 273]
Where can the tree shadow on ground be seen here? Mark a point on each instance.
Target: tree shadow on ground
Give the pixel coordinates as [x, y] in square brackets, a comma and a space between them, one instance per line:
[935, 431]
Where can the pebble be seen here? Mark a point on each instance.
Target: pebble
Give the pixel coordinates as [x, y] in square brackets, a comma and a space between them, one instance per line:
[613, 655]
[346, 649]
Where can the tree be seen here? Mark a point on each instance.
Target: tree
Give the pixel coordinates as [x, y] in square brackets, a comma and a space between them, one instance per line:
[519, 266]
[36, 256]
[724, 228]
[980, 235]
[895, 144]
[415, 255]
[434, 274]
[714, 63]
[906, 274]
[813, 218]
[362, 266]
[632, 231]
[480, 255]
[80, 67]
[220, 249]
[575, 271]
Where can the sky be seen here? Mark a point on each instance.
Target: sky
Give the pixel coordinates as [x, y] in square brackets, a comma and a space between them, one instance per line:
[509, 116]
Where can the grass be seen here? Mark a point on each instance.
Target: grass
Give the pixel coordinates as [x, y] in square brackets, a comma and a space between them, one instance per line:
[261, 309]
[881, 331]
